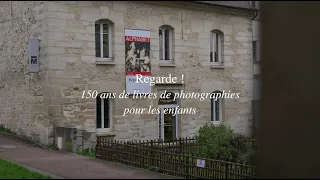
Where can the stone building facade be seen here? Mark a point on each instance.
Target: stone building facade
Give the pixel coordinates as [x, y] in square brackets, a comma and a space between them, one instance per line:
[32, 104]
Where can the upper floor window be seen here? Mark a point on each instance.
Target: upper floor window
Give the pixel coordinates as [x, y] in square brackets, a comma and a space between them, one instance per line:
[103, 110]
[104, 40]
[216, 46]
[166, 41]
[216, 107]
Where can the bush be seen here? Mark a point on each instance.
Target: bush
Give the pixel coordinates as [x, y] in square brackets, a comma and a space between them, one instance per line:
[222, 143]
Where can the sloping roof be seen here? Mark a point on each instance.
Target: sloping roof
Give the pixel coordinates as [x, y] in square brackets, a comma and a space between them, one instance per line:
[230, 4]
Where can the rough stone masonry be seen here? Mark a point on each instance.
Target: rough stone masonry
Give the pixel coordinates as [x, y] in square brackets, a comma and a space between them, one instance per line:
[31, 104]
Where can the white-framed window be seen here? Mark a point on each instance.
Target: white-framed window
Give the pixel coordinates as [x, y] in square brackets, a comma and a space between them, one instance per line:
[166, 42]
[168, 118]
[104, 38]
[103, 113]
[216, 107]
[216, 46]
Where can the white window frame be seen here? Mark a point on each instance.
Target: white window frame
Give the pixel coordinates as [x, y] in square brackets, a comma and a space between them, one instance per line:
[110, 43]
[213, 48]
[162, 44]
[161, 108]
[103, 129]
[213, 110]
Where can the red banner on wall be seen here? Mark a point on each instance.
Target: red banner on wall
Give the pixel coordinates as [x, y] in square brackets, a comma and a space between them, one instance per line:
[137, 47]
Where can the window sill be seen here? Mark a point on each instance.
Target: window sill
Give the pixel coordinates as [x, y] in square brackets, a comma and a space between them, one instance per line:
[167, 63]
[109, 61]
[105, 132]
[216, 123]
[216, 66]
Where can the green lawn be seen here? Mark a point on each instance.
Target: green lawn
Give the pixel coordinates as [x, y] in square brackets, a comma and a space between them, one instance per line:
[13, 171]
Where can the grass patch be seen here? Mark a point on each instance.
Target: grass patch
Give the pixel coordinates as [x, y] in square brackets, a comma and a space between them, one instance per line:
[13, 171]
[53, 147]
[87, 152]
[3, 129]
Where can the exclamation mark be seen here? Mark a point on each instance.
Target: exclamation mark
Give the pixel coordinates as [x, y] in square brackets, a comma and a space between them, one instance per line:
[182, 76]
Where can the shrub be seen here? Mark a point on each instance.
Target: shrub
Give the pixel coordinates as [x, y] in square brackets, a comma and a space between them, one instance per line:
[222, 143]
[87, 152]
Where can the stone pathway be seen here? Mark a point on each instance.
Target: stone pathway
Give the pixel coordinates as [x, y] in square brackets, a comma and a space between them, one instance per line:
[67, 165]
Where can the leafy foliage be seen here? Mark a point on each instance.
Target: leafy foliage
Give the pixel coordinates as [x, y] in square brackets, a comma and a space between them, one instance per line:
[87, 152]
[222, 143]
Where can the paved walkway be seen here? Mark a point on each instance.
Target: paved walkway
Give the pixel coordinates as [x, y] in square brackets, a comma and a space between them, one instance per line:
[67, 165]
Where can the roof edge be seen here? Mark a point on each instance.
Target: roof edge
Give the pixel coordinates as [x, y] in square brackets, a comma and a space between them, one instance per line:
[225, 6]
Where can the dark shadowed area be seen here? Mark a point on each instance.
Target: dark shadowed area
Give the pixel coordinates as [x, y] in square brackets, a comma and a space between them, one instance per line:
[290, 124]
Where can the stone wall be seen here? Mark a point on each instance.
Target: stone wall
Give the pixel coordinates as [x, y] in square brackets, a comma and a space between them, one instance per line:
[21, 93]
[70, 66]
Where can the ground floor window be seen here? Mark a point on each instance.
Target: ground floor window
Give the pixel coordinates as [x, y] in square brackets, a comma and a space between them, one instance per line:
[103, 115]
[167, 119]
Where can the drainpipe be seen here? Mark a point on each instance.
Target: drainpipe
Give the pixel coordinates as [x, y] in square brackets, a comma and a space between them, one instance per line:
[253, 108]
[255, 15]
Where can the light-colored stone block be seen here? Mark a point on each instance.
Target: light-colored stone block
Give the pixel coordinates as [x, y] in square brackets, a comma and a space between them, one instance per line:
[63, 15]
[120, 6]
[166, 19]
[50, 15]
[56, 36]
[57, 22]
[90, 14]
[68, 44]
[141, 23]
[55, 51]
[67, 74]
[57, 64]
[58, 7]
[85, 37]
[104, 12]
[88, 59]
[197, 26]
[117, 18]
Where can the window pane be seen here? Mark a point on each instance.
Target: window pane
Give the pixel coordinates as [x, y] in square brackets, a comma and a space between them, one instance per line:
[160, 44]
[166, 45]
[217, 48]
[105, 28]
[98, 110]
[217, 109]
[211, 47]
[105, 45]
[106, 113]
[160, 126]
[212, 110]
[97, 34]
